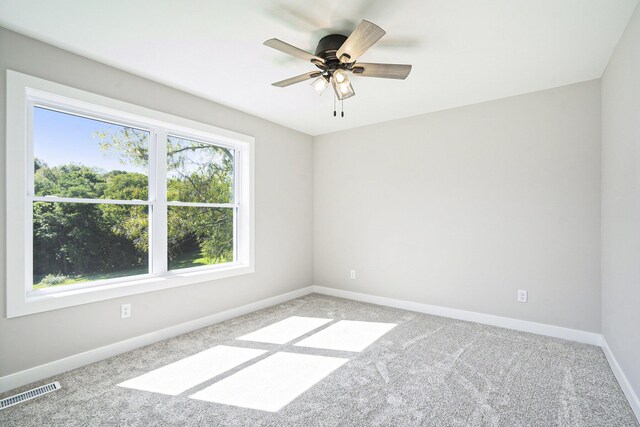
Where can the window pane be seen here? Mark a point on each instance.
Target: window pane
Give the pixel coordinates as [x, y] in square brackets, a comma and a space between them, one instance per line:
[198, 172]
[199, 236]
[82, 242]
[85, 158]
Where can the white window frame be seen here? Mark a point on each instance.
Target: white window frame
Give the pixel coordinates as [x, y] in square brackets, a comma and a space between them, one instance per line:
[23, 93]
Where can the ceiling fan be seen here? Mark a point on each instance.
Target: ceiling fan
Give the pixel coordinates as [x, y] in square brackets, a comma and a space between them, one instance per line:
[336, 57]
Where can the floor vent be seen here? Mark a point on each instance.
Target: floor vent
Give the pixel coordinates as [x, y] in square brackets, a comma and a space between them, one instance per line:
[31, 394]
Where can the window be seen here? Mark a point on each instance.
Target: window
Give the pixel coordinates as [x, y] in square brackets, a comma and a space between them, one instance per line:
[111, 199]
[90, 200]
[200, 190]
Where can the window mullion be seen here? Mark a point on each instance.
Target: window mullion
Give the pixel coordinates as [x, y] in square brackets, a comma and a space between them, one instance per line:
[158, 236]
[201, 205]
[56, 199]
[237, 182]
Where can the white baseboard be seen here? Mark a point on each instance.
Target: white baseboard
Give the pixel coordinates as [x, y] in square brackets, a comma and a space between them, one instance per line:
[37, 373]
[471, 316]
[632, 397]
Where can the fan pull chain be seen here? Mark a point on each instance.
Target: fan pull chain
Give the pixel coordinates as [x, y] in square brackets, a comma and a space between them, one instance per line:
[342, 106]
[334, 104]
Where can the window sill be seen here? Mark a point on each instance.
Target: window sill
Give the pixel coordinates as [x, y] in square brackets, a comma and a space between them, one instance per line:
[41, 300]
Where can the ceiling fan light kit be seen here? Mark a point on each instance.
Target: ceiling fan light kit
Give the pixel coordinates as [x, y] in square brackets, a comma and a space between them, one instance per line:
[336, 57]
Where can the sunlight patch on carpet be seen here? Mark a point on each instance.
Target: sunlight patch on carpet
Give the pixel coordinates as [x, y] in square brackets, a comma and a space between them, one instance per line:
[347, 335]
[271, 383]
[285, 330]
[186, 373]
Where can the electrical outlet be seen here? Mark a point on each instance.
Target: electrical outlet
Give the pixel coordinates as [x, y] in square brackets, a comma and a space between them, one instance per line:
[125, 311]
[353, 274]
[522, 295]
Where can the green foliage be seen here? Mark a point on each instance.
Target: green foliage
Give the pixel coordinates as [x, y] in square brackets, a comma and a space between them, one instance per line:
[199, 172]
[53, 279]
[68, 181]
[128, 145]
[129, 221]
[126, 186]
[208, 230]
[78, 238]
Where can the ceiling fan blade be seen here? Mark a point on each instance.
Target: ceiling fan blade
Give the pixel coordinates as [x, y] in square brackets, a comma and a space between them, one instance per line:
[384, 71]
[292, 50]
[363, 37]
[297, 79]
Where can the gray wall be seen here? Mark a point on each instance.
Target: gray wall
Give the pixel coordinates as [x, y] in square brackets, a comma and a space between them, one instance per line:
[283, 216]
[621, 202]
[461, 208]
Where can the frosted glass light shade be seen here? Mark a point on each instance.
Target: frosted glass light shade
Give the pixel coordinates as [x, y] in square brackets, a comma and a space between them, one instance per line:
[320, 84]
[340, 76]
[343, 90]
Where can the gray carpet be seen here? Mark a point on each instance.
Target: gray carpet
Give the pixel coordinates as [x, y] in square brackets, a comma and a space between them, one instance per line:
[428, 370]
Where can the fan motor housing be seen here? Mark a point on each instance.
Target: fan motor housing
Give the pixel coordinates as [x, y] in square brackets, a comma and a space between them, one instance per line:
[328, 47]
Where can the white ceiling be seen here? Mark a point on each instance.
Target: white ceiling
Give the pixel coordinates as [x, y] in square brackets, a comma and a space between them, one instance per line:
[462, 51]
